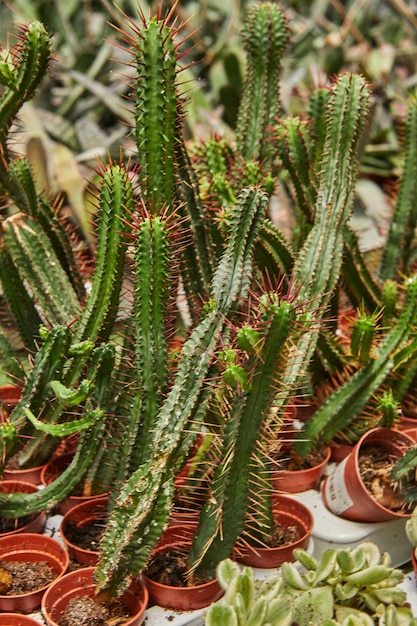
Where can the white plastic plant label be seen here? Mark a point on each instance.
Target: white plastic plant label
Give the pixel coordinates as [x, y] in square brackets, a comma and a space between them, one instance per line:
[336, 492]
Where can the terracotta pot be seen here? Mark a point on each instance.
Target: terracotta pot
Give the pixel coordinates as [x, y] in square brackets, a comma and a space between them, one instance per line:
[16, 619]
[287, 481]
[339, 451]
[287, 512]
[414, 560]
[180, 598]
[54, 468]
[36, 525]
[9, 397]
[29, 475]
[80, 516]
[305, 409]
[344, 492]
[81, 582]
[28, 547]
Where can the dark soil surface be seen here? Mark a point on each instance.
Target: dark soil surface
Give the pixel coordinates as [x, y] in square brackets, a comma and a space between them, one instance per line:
[86, 536]
[283, 536]
[18, 577]
[171, 568]
[85, 611]
[375, 467]
[8, 524]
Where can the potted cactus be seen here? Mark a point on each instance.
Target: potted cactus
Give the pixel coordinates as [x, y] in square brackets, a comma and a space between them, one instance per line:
[258, 306]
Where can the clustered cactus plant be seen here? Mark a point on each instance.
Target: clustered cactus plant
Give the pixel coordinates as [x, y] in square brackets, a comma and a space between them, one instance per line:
[260, 307]
[351, 587]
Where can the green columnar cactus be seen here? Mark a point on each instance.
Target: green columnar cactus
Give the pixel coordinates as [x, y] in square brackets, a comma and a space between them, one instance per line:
[317, 266]
[224, 515]
[349, 399]
[147, 494]
[156, 109]
[265, 37]
[398, 248]
[21, 71]
[154, 278]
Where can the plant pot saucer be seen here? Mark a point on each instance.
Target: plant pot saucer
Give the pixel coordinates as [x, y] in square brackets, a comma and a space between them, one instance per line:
[341, 533]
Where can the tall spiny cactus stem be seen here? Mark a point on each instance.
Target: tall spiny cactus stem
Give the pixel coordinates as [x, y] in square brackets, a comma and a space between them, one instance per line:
[156, 109]
[396, 252]
[115, 211]
[38, 266]
[98, 315]
[348, 400]
[295, 144]
[18, 179]
[223, 517]
[317, 266]
[265, 37]
[21, 71]
[152, 297]
[21, 304]
[139, 515]
[198, 259]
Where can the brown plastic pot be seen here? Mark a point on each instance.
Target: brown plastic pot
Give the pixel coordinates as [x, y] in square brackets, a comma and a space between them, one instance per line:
[80, 516]
[9, 397]
[180, 598]
[16, 619]
[287, 512]
[38, 522]
[344, 492]
[414, 561]
[80, 583]
[339, 451]
[29, 547]
[54, 468]
[286, 481]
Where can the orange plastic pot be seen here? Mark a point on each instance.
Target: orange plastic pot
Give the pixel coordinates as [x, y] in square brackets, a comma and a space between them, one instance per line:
[414, 560]
[80, 583]
[287, 512]
[9, 397]
[29, 547]
[339, 451]
[36, 525]
[180, 598]
[286, 481]
[16, 619]
[344, 492]
[80, 516]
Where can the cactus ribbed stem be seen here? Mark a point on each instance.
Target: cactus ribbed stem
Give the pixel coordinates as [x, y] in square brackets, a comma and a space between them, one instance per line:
[396, 252]
[349, 399]
[116, 204]
[152, 297]
[223, 517]
[35, 259]
[29, 61]
[156, 111]
[317, 267]
[265, 37]
[20, 302]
